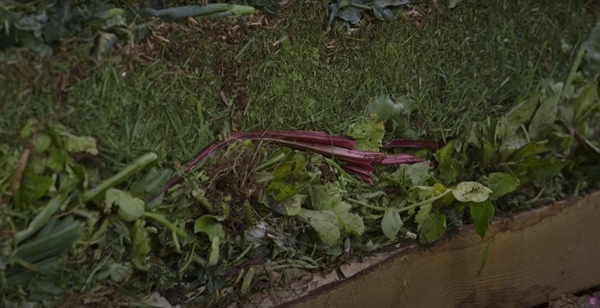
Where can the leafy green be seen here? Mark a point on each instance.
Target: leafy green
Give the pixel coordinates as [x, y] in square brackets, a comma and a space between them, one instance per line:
[130, 208]
[501, 183]
[391, 223]
[482, 214]
[471, 192]
[324, 223]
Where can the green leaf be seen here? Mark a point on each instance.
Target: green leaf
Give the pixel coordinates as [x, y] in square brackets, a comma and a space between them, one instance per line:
[324, 223]
[423, 214]
[539, 169]
[75, 144]
[352, 223]
[280, 190]
[391, 223]
[324, 197]
[341, 207]
[118, 272]
[210, 226]
[41, 143]
[418, 173]
[141, 245]
[130, 207]
[544, 117]
[449, 168]
[585, 103]
[54, 239]
[33, 187]
[530, 149]
[151, 184]
[518, 115]
[487, 154]
[290, 206]
[482, 214]
[502, 183]
[471, 192]
[433, 228]
[368, 135]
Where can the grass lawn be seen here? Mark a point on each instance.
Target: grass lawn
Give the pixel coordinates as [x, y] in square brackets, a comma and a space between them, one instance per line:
[459, 65]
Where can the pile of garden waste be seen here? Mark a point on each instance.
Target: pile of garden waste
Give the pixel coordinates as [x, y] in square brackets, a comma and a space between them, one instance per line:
[259, 209]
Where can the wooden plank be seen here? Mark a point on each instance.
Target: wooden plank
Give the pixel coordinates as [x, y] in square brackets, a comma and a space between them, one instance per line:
[533, 257]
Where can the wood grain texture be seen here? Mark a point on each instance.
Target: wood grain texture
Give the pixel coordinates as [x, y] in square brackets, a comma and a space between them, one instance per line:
[533, 257]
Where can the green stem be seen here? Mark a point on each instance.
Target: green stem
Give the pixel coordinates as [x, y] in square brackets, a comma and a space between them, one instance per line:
[30, 266]
[341, 171]
[118, 178]
[270, 162]
[242, 255]
[373, 207]
[161, 219]
[40, 219]
[412, 206]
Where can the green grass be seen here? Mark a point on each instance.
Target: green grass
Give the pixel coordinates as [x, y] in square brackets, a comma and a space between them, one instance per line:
[458, 66]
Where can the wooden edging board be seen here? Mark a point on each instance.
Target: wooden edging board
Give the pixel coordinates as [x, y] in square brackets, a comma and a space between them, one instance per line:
[533, 258]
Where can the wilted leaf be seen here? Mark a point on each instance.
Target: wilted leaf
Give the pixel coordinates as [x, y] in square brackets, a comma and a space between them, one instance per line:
[324, 197]
[352, 223]
[423, 214]
[290, 206]
[210, 226]
[281, 190]
[75, 144]
[118, 272]
[502, 183]
[151, 184]
[334, 8]
[104, 43]
[433, 228]
[482, 214]
[391, 223]
[385, 3]
[350, 14]
[324, 223]
[384, 14]
[141, 245]
[130, 207]
[418, 173]
[471, 192]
